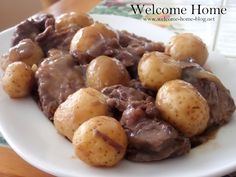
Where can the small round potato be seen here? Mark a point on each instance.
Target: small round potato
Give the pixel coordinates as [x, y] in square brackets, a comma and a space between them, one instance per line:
[104, 71]
[72, 19]
[186, 45]
[79, 107]
[26, 51]
[183, 106]
[89, 36]
[155, 68]
[105, 30]
[84, 39]
[100, 141]
[17, 80]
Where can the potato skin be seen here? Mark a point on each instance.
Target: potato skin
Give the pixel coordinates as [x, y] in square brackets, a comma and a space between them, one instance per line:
[104, 71]
[155, 68]
[79, 107]
[17, 80]
[183, 106]
[84, 39]
[100, 141]
[88, 36]
[105, 30]
[26, 51]
[186, 45]
[70, 19]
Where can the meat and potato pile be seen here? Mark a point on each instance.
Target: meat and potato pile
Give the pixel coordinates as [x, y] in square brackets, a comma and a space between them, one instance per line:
[114, 94]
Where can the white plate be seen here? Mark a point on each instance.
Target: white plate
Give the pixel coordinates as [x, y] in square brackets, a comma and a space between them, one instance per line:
[35, 139]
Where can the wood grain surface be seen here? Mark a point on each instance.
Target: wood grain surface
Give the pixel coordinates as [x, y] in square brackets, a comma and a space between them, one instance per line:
[11, 165]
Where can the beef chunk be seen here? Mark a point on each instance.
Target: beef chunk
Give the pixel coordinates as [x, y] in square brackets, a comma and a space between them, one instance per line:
[134, 83]
[120, 96]
[138, 45]
[149, 137]
[31, 27]
[220, 102]
[57, 77]
[56, 39]
[127, 39]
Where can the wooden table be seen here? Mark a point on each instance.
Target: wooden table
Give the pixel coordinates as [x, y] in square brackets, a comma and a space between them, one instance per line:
[11, 165]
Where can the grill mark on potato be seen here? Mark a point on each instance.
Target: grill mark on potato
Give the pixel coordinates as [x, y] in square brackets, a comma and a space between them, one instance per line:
[109, 141]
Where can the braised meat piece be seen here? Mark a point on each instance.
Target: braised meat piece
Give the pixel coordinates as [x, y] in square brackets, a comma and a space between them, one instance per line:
[138, 45]
[149, 137]
[220, 102]
[56, 39]
[134, 83]
[120, 96]
[31, 27]
[57, 77]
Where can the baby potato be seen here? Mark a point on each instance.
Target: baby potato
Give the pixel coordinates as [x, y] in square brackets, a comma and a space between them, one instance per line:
[105, 30]
[17, 80]
[79, 107]
[155, 68]
[186, 45]
[100, 141]
[72, 19]
[183, 106]
[88, 36]
[26, 51]
[84, 39]
[104, 71]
